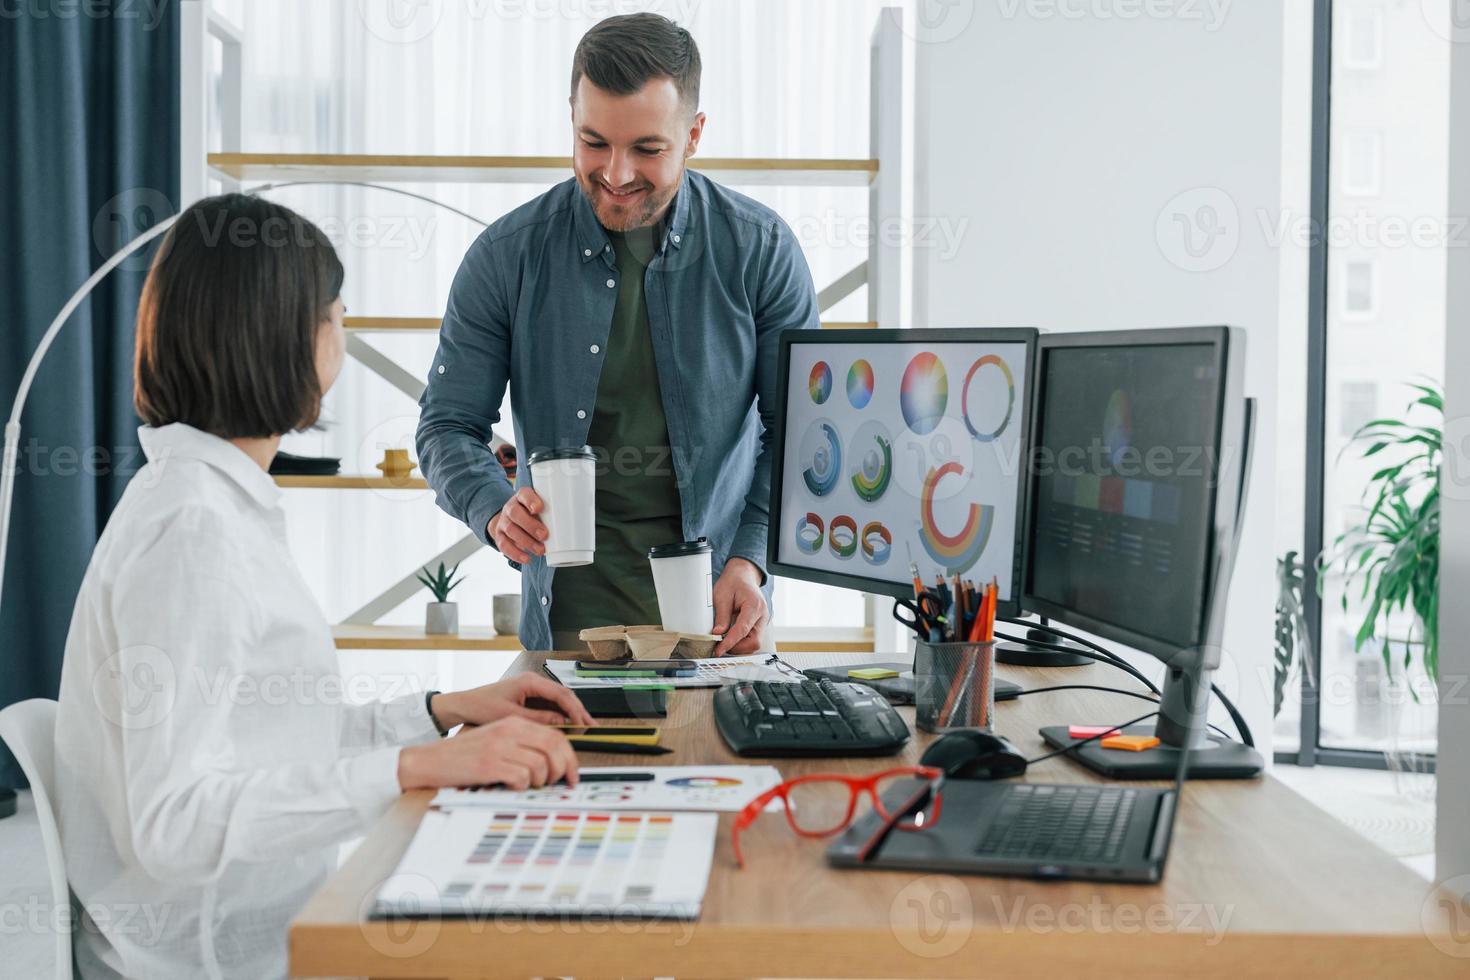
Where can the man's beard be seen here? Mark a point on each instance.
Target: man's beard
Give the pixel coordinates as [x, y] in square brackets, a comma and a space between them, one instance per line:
[615, 217]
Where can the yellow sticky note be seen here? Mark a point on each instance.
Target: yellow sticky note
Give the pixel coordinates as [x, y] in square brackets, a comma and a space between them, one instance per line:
[1133, 743]
[872, 673]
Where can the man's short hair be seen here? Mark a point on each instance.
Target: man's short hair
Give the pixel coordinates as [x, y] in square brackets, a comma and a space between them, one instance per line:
[622, 54]
[229, 317]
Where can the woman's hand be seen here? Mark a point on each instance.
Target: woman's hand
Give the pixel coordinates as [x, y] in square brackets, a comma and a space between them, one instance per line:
[507, 699]
[515, 752]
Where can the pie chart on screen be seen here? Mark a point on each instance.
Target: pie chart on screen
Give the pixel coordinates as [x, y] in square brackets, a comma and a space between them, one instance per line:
[819, 382]
[860, 384]
[924, 393]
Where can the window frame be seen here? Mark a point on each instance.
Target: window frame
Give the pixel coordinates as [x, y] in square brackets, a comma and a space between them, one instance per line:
[1310, 751]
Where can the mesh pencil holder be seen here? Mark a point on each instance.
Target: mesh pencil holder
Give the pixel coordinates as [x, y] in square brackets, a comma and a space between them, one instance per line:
[954, 686]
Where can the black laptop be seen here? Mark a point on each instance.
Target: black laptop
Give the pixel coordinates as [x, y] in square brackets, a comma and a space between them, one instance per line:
[1081, 831]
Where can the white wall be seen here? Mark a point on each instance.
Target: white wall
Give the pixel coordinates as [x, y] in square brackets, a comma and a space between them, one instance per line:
[1452, 842]
[1080, 149]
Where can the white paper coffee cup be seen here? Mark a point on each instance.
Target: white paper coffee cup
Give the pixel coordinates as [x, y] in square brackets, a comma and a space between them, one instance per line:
[566, 481]
[684, 579]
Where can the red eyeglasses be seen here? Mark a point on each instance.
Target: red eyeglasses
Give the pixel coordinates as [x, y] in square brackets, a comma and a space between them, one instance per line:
[813, 804]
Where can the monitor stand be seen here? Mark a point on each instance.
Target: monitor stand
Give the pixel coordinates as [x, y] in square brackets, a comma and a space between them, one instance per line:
[1025, 655]
[1181, 722]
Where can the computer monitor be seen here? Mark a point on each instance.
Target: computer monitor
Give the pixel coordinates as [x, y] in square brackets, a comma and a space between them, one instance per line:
[894, 446]
[1140, 447]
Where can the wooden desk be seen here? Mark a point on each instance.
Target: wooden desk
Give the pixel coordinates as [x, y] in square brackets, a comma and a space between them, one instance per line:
[1259, 882]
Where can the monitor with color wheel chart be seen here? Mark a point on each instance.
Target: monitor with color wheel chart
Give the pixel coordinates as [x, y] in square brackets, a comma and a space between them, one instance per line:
[899, 445]
[1141, 454]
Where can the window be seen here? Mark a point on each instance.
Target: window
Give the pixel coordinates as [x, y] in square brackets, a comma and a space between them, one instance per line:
[1359, 289]
[1361, 38]
[1358, 407]
[1362, 164]
[1381, 330]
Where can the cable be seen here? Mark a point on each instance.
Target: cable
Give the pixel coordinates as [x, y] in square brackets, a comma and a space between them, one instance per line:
[1083, 641]
[1111, 690]
[1236, 718]
[1090, 738]
[1105, 657]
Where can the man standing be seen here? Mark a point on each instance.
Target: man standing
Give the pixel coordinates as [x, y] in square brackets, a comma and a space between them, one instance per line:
[637, 309]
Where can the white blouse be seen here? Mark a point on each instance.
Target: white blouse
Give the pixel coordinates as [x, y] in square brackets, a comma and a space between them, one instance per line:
[206, 760]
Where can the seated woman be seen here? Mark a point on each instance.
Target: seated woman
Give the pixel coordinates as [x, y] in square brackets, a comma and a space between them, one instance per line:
[206, 762]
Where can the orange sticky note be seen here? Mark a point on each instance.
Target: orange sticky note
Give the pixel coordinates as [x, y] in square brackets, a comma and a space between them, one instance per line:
[1133, 743]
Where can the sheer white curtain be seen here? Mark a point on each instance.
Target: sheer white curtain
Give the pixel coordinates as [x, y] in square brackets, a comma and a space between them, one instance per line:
[781, 79]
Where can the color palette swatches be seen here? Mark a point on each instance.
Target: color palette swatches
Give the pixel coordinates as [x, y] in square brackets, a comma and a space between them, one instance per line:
[471, 861]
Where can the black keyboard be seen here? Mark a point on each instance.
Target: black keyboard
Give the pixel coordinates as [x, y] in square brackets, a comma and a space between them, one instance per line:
[1060, 823]
[814, 717]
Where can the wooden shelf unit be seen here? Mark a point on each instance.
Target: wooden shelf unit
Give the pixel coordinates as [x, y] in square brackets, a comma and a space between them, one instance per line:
[212, 100]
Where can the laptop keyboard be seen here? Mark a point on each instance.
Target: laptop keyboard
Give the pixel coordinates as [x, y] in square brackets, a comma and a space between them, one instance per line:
[1060, 823]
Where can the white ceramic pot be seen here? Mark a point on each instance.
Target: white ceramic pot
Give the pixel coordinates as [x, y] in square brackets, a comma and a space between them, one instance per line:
[441, 618]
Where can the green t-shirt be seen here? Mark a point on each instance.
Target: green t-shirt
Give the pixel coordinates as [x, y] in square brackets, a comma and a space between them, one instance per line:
[637, 489]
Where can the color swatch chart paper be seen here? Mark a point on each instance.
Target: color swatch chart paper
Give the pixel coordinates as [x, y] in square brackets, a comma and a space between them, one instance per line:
[707, 673]
[470, 861]
[672, 788]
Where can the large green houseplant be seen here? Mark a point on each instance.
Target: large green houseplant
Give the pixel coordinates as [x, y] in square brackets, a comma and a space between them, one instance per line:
[1391, 556]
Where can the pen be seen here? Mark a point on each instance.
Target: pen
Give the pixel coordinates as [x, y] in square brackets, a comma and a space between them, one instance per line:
[914, 572]
[621, 748]
[977, 628]
[586, 777]
[993, 595]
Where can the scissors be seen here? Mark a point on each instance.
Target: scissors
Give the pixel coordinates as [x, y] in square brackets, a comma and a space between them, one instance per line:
[926, 615]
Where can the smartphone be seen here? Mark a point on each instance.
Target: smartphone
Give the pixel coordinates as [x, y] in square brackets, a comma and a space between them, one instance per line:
[633, 734]
[659, 666]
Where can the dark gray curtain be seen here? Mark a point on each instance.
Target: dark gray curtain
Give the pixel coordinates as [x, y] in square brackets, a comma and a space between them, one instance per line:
[89, 148]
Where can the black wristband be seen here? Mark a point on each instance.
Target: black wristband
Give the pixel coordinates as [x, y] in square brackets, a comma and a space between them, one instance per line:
[429, 707]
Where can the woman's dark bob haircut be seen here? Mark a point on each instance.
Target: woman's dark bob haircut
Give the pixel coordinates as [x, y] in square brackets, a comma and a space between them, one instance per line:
[229, 318]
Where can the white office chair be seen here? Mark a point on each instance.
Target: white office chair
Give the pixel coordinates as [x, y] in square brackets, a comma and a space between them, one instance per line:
[29, 729]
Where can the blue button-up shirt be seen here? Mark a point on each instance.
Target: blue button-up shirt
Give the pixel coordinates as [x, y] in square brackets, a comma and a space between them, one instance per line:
[531, 306]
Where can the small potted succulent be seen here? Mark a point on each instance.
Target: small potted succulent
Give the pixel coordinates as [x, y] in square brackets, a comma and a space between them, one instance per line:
[441, 617]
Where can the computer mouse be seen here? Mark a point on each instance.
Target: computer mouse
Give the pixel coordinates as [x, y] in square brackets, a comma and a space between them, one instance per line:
[974, 755]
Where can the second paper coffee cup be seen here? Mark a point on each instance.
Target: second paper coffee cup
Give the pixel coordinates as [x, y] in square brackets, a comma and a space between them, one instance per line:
[685, 583]
[566, 481]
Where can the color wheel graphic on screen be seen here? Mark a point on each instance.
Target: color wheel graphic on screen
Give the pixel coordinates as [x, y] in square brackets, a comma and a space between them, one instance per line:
[819, 382]
[871, 458]
[954, 552]
[860, 384]
[983, 432]
[923, 393]
[822, 449]
[1118, 426]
